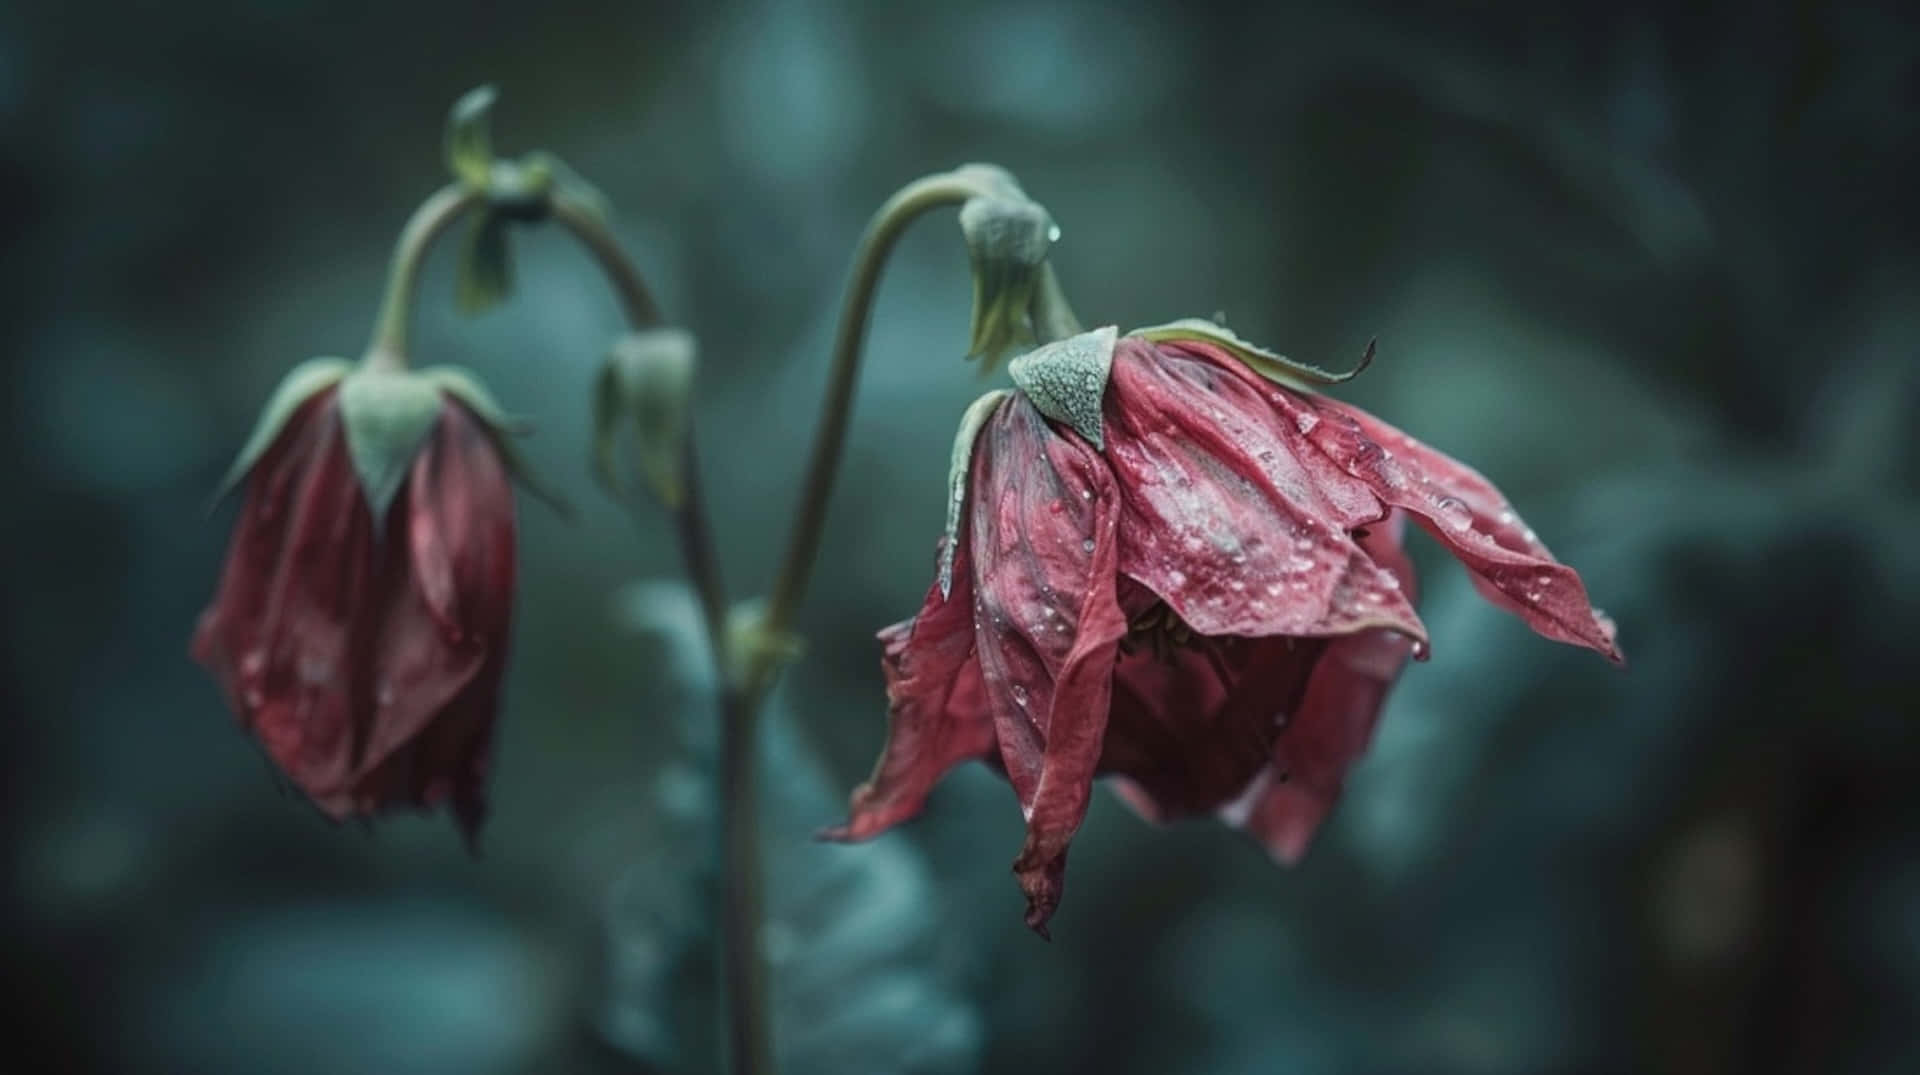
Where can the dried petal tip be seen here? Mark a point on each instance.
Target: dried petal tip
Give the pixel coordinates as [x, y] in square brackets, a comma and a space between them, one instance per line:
[1269, 364]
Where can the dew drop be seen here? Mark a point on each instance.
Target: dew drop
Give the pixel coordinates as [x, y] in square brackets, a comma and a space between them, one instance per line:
[1087, 545]
[254, 698]
[1454, 513]
[1274, 589]
[1306, 420]
[1419, 650]
[1304, 544]
[1019, 696]
[1508, 518]
[254, 663]
[1055, 506]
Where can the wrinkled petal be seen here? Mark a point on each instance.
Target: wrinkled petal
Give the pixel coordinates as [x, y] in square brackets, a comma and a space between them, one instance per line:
[1229, 514]
[1045, 554]
[1333, 727]
[1466, 513]
[446, 602]
[303, 665]
[226, 639]
[937, 714]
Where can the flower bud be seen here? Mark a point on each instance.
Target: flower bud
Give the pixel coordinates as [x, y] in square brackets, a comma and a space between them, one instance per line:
[1008, 237]
[646, 383]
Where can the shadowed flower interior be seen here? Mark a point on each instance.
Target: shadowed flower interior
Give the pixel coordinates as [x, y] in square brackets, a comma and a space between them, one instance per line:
[1211, 605]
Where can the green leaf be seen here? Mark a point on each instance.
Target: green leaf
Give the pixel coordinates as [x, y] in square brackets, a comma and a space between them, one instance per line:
[299, 385]
[1272, 365]
[469, 142]
[870, 967]
[484, 276]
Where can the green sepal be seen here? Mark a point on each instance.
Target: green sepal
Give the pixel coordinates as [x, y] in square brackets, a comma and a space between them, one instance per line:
[469, 141]
[300, 384]
[958, 469]
[1269, 364]
[1067, 379]
[503, 427]
[483, 277]
[646, 383]
[388, 415]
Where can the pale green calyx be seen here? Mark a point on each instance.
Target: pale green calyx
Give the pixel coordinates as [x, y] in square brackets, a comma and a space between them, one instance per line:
[1008, 237]
[300, 384]
[387, 415]
[1269, 364]
[646, 383]
[957, 474]
[1067, 379]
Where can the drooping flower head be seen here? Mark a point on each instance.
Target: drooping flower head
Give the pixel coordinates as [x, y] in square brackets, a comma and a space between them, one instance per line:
[360, 627]
[1170, 562]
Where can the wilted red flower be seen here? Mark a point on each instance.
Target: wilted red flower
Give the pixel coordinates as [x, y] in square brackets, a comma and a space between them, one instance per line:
[364, 646]
[1171, 569]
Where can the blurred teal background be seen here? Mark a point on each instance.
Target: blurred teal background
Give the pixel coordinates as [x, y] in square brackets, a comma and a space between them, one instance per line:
[1653, 271]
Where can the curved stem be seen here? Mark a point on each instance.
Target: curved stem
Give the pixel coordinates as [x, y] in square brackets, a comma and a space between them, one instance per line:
[749, 1037]
[389, 345]
[876, 243]
[587, 226]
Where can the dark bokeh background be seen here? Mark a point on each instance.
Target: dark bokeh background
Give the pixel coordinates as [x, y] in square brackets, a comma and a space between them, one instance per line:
[1654, 272]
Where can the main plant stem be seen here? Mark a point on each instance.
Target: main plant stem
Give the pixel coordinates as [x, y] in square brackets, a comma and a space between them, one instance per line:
[749, 1035]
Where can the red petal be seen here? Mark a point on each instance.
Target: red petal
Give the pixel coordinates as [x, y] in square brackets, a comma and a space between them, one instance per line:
[1044, 511]
[446, 606]
[1229, 514]
[937, 715]
[297, 583]
[1454, 503]
[228, 638]
[1332, 729]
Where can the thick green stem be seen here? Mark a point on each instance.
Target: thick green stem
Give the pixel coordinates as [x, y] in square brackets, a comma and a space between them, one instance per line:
[803, 546]
[389, 345]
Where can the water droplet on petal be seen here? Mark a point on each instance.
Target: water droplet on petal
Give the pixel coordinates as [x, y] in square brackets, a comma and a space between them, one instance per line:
[254, 698]
[1306, 420]
[1453, 512]
[1274, 589]
[1087, 545]
[1019, 696]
